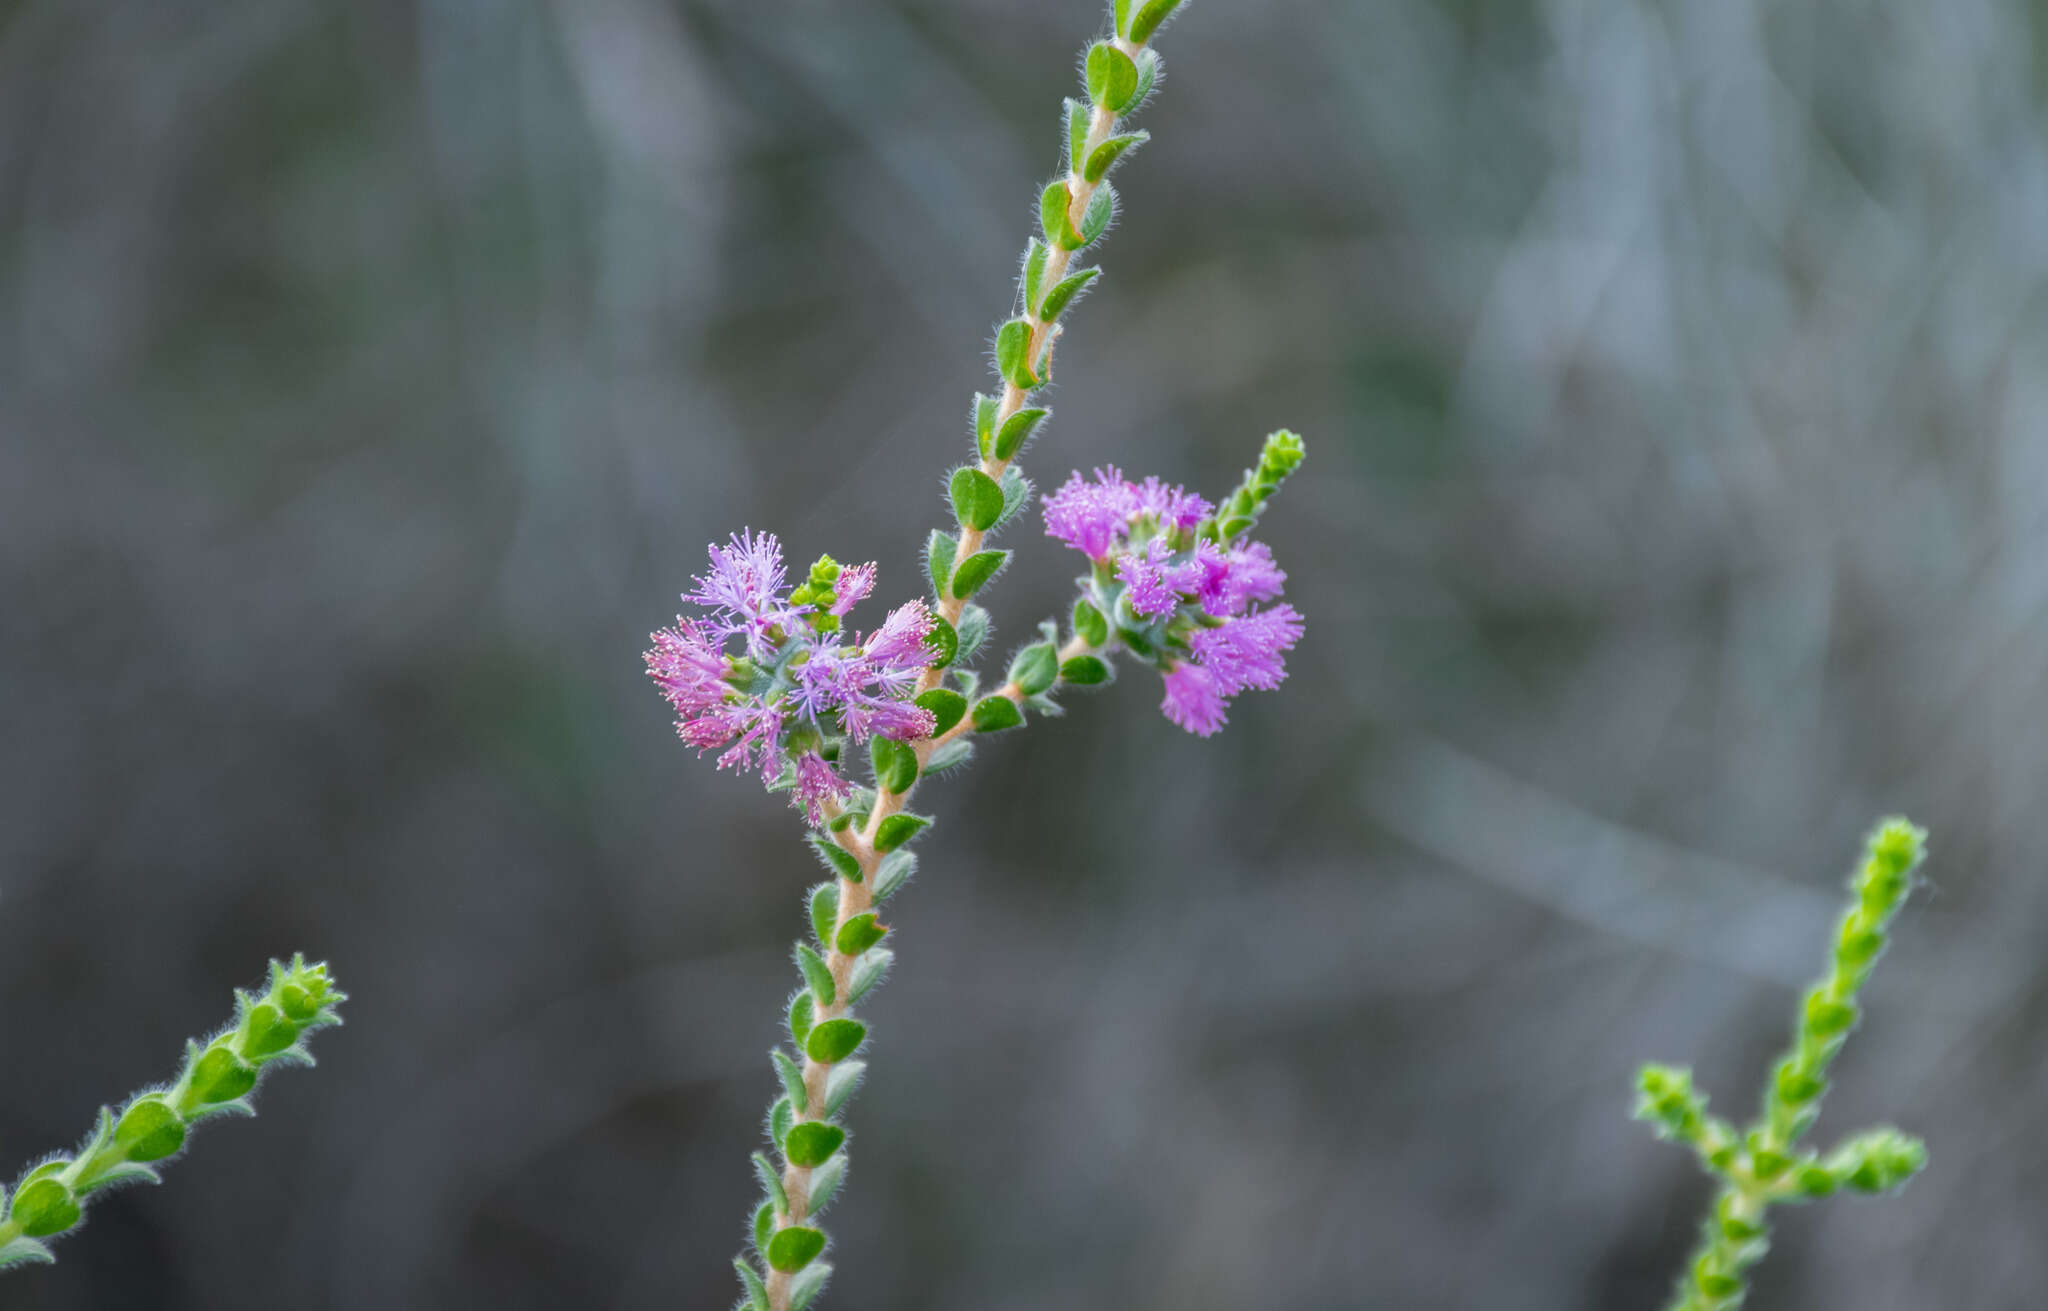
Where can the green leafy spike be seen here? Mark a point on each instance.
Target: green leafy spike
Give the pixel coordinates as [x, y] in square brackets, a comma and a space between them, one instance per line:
[270, 1028]
[1764, 1165]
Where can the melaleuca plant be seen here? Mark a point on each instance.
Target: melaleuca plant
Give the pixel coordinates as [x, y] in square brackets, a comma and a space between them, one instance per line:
[218, 1078]
[773, 678]
[1763, 1164]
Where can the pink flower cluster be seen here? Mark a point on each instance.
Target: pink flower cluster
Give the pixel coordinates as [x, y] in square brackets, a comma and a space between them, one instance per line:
[1203, 593]
[797, 680]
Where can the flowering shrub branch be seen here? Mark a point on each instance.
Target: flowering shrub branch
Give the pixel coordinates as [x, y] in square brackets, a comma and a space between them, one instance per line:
[770, 677]
[218, 1078]
[1764, 1164]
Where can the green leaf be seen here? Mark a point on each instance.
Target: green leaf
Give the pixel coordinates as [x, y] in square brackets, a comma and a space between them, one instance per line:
[1017, 430]
[891, 873]
[43, 1207]
[266, 1032]
[812, 1143]
[804, 1289]
[1089, 623]
[860, 933]
[835, 1040]
[1035, 668]
[1046, 706]
[1148, 73]
[944, 642]
[984, 422]
[973, 632]
[841, 1083]
[791, 1249]
[149, 1131]
[1112, 77]
[1055, 206]
[771, 1184]
[1101, 209]
[1826, 1017]
[898, 829]
[757, 1292]
[977, 501]
[973, 572]
[764, 1227]
[824, 1183]
[1062, 295]
[824, 911]
[938, 555]
[1084, 671]
[1016, 494]
[815, 974]
[946, 705]
[1104, 157]
[801, 1011]
[792, 1078]
[1013, 354]
[1148, 18]
[836, 858]
[1077, 134]
[894, 763]
[993, 714]
[1034, 268]
[1120, 14]
[220, 1076]
[950, 756]
[872, 967]
[24, 1251]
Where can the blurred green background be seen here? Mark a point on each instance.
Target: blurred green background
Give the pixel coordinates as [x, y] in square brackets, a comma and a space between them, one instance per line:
[1676, 381]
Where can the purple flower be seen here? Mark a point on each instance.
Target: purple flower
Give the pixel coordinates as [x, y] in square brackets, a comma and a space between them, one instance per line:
[744, 591]
[1184, 585]
[746, 726]
[1095, 518]
[852, 588]
[898, 645]
[1192, 699]
[1092, 517]
[1237, 577]
[825, 676]
[687, 668]
[1176, 508]
[817, 783]
[802, 678]
[1154, 581]
[876, 716]
[1246, 651]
